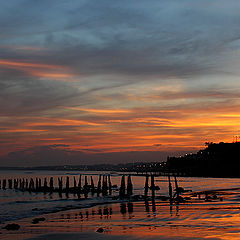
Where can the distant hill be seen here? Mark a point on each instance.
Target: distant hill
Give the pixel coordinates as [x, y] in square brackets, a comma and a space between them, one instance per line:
[56, 155]
[216, 160]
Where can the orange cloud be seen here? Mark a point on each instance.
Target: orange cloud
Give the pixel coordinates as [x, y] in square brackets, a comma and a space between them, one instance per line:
[23, 64]
[100, 111]
[48, 71]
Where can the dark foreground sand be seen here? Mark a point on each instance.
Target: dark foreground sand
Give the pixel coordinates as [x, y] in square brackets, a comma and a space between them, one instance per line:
[98, 236]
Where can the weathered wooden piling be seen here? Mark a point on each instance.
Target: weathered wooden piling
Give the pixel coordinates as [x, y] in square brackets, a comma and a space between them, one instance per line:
[45, 186]
[129, 186]
[36, 183]
[176, 186]
[60, 184]
[26, 184]
[104, 186]
[51, 184]
[10, 183]
[20, 183]
[67, 184]
[74, 183]
[92, 185]
[80, 183]
[152, 186]
[99, 185]
[146, 186]
[170, 188]
[86, 184]
[23, 184]
[86, 187]
[122, 187]
[39, 183]
[109, 184]
[4, 184]
[15, 183]
[31, 185]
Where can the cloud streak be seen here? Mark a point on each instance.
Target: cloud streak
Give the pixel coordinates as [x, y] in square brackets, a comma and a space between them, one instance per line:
[112, 77]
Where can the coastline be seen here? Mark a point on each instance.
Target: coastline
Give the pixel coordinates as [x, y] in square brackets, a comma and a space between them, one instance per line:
[136, 220]
[207, 210]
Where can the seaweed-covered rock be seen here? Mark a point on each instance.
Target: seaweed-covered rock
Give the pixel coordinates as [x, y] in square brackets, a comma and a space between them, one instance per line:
[37, 220]
[12, 226]
[100, 230]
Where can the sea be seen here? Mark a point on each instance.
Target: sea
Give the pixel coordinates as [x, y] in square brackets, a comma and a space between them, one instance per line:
[16, 205]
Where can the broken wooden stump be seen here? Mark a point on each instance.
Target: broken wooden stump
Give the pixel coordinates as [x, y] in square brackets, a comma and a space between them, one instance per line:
[170, 189]
[109, 185]
[122, 187]
[99, 185]
[146, 186]
[129, 186]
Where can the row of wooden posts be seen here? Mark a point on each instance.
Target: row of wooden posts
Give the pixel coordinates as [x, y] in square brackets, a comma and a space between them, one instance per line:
[104, 185]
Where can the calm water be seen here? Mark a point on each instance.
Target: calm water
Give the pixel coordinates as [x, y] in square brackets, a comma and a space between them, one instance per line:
[17, 205]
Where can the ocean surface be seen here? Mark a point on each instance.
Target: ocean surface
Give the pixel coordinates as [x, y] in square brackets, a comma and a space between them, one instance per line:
[15, 204]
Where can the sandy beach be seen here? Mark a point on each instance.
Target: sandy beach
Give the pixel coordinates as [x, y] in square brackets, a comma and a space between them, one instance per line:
[139, 220]
[206, 213]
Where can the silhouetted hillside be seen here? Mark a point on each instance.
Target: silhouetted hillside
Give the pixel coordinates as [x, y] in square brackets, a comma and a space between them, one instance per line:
[217, 160]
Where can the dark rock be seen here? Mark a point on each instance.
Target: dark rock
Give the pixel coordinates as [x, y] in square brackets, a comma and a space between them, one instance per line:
[37, 220]
[12, 226]
[100, 230]
[154, 188]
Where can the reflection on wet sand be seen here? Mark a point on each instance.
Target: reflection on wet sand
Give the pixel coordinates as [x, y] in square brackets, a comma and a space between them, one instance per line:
[126, 210]
[149, 218]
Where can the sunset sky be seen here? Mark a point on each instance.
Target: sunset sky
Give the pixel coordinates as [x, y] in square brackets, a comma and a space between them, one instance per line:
[118, 76]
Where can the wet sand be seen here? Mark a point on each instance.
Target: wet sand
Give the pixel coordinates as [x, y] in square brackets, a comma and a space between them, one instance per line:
[140, 220]
[217, 217]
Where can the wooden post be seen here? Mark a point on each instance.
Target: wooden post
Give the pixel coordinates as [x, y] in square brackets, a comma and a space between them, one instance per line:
[170, 188]
[103, 185]
[85, 188]
[99, 185]
[31, 184]
[74, 183]
[67, 184]
[45, 185]
[146, 186]
[176, 186]
[51, 184]
[80, 183]
[152, 186]
[129, 186]
[39, 183]
[109, 184]
[20, 183]
[4, 184]
[26, 184]
[23, 184]
[10, 183]
[92, 185]
[37, 186]
[122, 187]
[60, 184]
